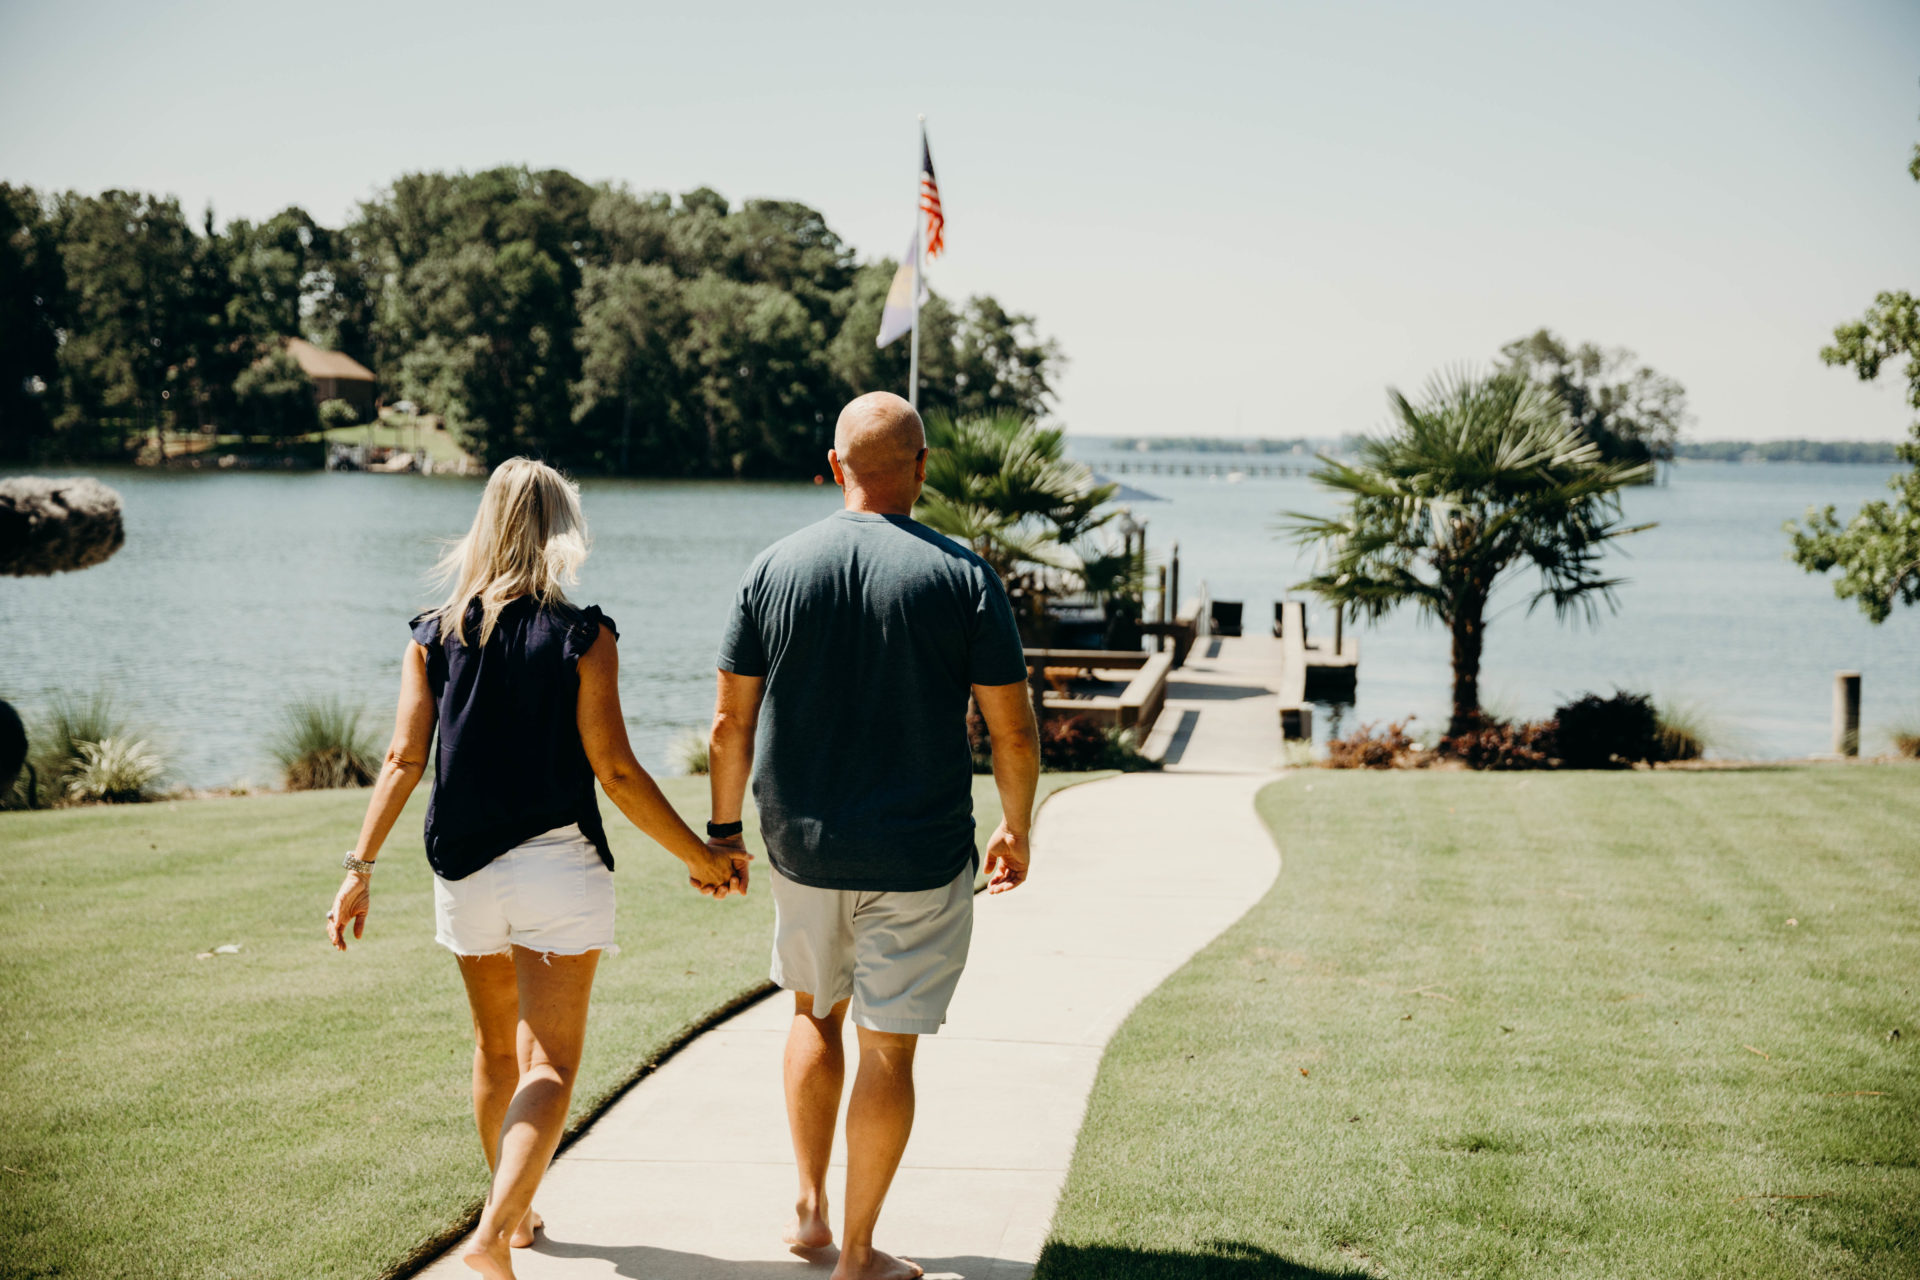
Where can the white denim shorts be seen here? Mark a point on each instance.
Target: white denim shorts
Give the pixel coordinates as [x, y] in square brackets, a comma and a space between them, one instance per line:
[898, 955]
[550, 894]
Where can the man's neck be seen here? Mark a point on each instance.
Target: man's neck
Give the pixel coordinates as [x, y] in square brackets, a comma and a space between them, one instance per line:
[873, 504]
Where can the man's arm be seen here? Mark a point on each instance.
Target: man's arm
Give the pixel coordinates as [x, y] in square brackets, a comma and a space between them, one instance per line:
[1008, 711]
[736, 716]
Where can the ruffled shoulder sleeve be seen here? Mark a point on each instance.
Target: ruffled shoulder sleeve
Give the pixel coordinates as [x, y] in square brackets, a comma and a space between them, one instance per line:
[585, 630]
[426, 628]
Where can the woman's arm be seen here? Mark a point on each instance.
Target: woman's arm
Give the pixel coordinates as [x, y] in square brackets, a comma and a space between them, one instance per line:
[400, 772]
[603, 732]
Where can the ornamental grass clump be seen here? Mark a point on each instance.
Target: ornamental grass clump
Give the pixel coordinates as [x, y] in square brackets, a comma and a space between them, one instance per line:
[1685, 733]
[688, 752]
[114, 771]
[324, 744]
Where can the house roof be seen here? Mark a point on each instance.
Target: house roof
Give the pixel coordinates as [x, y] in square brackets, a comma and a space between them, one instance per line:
[317, 362]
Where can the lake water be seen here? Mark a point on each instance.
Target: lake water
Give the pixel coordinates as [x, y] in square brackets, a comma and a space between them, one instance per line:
[237, 592]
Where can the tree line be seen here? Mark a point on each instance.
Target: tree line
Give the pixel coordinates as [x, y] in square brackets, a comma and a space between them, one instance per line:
[600, 328]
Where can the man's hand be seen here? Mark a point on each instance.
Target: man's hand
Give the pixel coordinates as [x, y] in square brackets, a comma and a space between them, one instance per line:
[727, 873]
[1007, 859]
[351, 903]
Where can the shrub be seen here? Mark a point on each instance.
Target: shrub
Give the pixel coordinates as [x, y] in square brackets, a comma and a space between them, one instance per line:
[688, 752]
[114, 771]
[1683, 733]
[337, 413]
[272, 396]
[323, 744]
[1906, 740]
[1501, 745]
[56, 751]
[1608, 733]
[1072, 744]
[1363, 749]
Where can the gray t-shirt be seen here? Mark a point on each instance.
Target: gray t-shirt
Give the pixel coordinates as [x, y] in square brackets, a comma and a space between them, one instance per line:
[869, 630]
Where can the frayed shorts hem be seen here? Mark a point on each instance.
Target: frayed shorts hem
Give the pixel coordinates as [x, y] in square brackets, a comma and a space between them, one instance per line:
[899, 1026]
[605, 949]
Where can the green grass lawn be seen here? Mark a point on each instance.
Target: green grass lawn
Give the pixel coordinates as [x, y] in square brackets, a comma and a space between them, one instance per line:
[1587, 1025]
[286, 1111]
[436, 444]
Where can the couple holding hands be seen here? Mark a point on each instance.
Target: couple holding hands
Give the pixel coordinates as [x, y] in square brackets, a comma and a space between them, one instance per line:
[850, 654]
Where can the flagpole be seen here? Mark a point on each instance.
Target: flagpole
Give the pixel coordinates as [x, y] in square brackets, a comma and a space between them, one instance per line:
[913, 357]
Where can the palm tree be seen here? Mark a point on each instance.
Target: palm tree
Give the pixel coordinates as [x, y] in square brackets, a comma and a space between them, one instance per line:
[1003, 485]
[1484, 477]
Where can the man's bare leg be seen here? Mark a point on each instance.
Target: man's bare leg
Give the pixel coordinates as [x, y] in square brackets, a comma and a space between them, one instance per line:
[816, 1070]
[493, 996]
[879, 1120]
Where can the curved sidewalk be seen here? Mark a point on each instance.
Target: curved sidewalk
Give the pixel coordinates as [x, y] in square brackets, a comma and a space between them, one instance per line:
[691, 1176]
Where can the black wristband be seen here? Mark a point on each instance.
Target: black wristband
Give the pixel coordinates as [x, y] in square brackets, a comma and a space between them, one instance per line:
[724, 830]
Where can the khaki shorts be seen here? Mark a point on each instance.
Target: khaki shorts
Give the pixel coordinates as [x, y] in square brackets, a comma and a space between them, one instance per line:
[898, 955]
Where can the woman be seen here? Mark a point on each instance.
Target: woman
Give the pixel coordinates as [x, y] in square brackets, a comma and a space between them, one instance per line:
[522, 688]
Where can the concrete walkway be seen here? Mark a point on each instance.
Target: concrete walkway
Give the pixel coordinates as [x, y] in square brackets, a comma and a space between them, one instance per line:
[691, 1176]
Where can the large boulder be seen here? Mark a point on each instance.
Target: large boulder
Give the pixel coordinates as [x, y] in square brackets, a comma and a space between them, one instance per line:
[52, 526]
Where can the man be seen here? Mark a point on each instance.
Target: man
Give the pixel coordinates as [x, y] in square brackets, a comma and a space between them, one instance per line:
[858, 640]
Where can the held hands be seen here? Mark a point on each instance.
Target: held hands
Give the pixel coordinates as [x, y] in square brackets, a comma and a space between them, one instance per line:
[1007, 859]
[724, 870]
[350, 903]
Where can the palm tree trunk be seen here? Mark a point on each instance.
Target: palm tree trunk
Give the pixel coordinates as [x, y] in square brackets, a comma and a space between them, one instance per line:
[1467, 637]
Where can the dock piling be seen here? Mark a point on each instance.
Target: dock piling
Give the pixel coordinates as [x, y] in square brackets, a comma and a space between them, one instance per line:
[1846, 713]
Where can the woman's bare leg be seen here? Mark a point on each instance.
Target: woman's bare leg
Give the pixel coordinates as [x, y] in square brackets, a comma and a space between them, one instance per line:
[493, 996]
[553, 1019]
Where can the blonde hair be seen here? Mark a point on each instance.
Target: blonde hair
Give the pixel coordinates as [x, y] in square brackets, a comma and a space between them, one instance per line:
[528, 539]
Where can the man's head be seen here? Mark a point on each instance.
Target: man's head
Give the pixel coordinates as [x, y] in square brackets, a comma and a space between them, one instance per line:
[879, 453]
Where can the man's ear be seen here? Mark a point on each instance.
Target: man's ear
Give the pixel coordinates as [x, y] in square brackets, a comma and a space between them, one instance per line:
[833, 464]
[920, 466]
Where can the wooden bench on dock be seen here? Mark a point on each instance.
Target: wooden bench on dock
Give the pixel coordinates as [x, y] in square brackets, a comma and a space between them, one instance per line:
[1135, 707]
[1311, 671]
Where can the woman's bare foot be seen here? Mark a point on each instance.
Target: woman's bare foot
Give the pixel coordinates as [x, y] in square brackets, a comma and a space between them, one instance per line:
[809, 1232]
[875, 1265]
[523, 1234]
[491, 1256]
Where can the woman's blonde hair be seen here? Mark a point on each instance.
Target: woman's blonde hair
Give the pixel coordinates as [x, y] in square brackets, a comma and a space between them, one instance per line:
[528, 539]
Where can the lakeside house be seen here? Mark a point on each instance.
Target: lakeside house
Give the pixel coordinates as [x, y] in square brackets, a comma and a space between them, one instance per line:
[335, 375]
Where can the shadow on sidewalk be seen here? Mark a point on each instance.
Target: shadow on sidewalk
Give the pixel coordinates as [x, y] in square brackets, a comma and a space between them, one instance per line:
[1219, 1260]
[1216, 1260]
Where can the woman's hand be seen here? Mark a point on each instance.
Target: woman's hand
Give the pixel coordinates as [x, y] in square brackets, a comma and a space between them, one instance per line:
[351, 903]
[723, 870]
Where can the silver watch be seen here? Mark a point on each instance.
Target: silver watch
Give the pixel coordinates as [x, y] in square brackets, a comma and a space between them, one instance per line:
[352, 863]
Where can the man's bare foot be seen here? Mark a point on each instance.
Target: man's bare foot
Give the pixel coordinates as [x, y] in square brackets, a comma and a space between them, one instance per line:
[875, 1265]
[809, 1233]
[523, 1234]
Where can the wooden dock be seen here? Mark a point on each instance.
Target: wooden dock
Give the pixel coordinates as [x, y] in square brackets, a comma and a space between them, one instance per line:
[1325, 669]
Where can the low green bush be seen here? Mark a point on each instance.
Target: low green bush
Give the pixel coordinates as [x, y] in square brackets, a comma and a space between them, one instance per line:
[114, 771]
[337, 413]
[1608, 733]
[69, 759]
[688, 753]
[323, 743]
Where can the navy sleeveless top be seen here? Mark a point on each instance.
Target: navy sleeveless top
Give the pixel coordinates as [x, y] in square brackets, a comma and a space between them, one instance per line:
[508, 763]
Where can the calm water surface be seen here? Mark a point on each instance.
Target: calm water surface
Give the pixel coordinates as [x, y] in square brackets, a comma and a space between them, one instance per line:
[238, 592]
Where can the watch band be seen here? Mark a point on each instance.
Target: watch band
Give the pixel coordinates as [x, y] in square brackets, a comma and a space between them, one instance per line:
[352, 863]
[724, 830]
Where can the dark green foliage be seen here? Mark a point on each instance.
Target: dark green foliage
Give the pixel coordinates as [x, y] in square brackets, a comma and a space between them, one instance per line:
[1609, 733]
[602, 329]
[1631, 412]
[1859, 452]
[335, 414]
[273, 397]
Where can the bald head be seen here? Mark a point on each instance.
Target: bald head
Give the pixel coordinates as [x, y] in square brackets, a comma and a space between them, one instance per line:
[878, 435]
[879, 453]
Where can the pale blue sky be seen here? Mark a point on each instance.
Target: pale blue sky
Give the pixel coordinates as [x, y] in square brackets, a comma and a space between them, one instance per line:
[1237, 218]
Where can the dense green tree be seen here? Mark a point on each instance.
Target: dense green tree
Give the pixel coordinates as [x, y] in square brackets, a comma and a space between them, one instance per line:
[33, 291]
[273, 397]
[1633, 413]
[759, 381]
[1000, 364]
[1484, 478]
[629, 402]
[1877, 551]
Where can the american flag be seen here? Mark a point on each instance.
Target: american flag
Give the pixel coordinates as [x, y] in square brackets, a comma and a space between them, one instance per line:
[930, 200]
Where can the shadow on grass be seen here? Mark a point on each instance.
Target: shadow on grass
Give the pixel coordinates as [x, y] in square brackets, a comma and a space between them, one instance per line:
[1216, 1260]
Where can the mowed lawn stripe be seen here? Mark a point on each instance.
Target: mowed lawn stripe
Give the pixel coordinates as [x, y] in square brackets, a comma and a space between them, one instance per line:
[286, 1111]
[1499, 1025]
